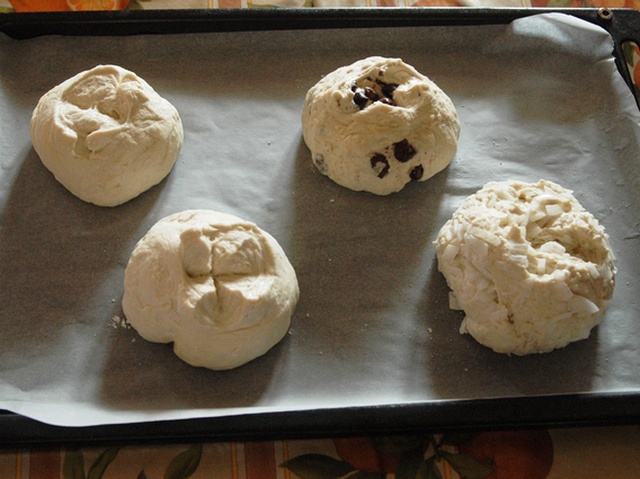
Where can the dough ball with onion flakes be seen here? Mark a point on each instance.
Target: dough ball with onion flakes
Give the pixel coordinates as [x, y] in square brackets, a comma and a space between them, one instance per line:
[530, 267]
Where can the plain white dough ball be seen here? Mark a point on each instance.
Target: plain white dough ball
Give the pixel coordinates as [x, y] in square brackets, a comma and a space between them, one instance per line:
[106, 135]
[532, 270]
[218, 287]
[377, 124]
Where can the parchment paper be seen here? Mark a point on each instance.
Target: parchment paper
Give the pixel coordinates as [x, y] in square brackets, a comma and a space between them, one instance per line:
[540, 98]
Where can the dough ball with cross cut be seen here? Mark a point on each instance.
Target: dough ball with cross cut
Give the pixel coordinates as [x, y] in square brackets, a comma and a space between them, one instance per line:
[218, 287]
[531, 268]
[377, 124]
[106, 135]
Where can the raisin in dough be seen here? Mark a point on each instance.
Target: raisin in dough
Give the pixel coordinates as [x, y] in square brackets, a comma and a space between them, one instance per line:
[106, 135]
[532, 270]
[220, 288]
[378, 124]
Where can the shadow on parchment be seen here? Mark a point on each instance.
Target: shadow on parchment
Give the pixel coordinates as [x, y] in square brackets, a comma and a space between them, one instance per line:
[56, 254]
[461, 368]
[62, 262]
[356, 254]
[162, 382]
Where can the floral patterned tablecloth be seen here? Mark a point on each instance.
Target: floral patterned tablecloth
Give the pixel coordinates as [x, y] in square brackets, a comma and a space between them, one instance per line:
[594, 452]
[584, 453]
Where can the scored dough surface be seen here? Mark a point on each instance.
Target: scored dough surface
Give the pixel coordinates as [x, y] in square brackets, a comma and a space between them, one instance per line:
[106, 135]
[218, 287]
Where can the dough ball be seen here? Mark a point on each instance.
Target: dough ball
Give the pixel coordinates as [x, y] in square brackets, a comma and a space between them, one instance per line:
[106, 135]
[220, 288]
[532, 270]
[378, 124]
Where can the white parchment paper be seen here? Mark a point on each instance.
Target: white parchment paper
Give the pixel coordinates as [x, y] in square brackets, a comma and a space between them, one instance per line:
[540, 98]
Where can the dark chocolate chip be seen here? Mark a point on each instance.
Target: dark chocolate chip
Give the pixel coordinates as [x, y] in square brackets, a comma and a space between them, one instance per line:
[388, 89]
[360, 98]
[371, 94]
[380, 165]
[388, 101]
[417, 172]
[403, 151]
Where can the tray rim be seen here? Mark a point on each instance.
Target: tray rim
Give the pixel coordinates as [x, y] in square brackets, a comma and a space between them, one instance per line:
[429, 417]
[622, 24]
[548, 411]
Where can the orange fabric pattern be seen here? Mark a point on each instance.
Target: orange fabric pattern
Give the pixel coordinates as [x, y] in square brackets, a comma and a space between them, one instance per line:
[525, 454]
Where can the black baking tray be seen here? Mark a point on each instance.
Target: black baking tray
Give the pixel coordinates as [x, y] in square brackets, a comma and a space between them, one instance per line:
[622, 24]
[575, 410]
[460, 414]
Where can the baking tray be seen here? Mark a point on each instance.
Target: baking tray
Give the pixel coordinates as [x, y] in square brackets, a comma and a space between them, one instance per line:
[622, 24]
[532, 407]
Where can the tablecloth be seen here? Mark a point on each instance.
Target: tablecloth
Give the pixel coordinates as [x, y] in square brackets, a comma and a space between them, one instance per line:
[597, 452]
[585, 452]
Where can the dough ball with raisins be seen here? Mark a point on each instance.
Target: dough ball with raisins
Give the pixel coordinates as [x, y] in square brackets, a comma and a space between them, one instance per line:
[377, 124]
